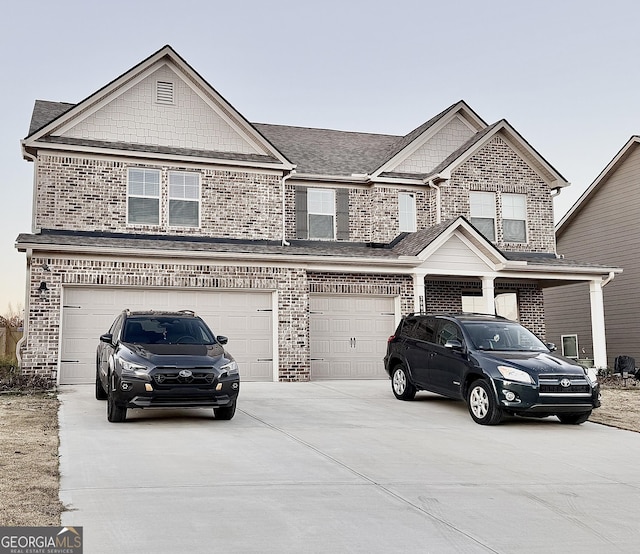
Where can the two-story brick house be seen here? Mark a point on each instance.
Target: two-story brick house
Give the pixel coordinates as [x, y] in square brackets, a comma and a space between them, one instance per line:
[304, 246]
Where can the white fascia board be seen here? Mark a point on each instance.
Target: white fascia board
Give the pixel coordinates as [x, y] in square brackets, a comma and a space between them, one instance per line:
[328, 179]
[318, 263]
[178, 158]
[603, 176]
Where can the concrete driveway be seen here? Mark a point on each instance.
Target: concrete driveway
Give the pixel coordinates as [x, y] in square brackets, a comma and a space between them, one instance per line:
[343, 467]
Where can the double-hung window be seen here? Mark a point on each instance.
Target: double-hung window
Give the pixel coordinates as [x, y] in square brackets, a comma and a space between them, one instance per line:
[143, 196]
[407, 212]
[184, 199]
[321, 209]
[483, 213]
[514, 217]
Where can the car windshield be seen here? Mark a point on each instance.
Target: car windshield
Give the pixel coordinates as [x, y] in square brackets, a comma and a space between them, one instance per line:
[503, 335]
[166, 330]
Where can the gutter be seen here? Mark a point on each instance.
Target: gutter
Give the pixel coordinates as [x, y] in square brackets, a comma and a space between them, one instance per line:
[438, 178]
[611, 277]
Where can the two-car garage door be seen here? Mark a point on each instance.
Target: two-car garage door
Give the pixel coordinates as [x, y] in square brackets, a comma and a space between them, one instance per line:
[245, 317]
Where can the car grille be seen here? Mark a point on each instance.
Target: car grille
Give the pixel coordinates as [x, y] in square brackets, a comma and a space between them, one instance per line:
[564, 385]
[170, 377]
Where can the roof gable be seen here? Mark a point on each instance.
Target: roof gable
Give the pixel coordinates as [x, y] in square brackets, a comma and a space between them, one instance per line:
[599, 182]
[132, 110]
[428, 144]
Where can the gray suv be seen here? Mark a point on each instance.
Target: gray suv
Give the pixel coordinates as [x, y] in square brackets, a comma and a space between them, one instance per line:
[496, 365]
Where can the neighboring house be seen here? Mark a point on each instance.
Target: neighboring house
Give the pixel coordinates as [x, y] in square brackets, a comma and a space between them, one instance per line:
[603, 226]
[304, 246]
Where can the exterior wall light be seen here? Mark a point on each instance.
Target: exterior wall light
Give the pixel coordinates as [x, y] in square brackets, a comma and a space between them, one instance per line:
[43, 289]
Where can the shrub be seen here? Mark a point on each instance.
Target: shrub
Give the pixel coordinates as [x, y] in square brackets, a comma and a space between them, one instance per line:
[12, 379]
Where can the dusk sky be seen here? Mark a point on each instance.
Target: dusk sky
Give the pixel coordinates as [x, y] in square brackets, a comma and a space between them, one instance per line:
[563, 73]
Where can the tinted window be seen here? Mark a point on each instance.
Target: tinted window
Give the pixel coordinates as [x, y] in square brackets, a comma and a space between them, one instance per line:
[425, 329]
[448, 331]
[166, 329]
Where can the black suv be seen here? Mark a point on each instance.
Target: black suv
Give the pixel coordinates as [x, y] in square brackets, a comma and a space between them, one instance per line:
[164, 359]
[496, 365]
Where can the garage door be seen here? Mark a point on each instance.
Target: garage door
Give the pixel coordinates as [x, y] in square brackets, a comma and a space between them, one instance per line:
[244, 317]
[348, 336]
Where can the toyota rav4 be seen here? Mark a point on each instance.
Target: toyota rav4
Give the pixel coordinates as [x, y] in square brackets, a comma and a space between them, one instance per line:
[496, 365]
[164, 359]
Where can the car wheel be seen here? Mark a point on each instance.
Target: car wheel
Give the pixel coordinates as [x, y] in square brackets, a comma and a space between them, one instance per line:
[225, 413]
[401, 385]
[483, 406]
[101, 394]
[574, 419]
[115, 413]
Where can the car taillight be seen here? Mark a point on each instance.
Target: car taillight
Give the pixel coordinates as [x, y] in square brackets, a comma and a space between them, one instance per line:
[391, 338]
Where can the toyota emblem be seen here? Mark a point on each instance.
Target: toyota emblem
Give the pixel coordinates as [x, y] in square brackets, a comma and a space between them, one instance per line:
[185, 373]
[565, 383]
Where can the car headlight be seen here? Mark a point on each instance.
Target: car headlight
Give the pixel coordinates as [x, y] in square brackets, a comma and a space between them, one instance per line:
[231, 368]
[592, 375]
[130, 369]
[513, 374]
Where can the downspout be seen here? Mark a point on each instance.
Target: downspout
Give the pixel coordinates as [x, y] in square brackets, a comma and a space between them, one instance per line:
[284, 208]
[438, 178]
[25, 322]
[611, 277]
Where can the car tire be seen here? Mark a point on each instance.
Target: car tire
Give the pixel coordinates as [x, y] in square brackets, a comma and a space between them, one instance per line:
[115, 413]
[573, 419]
[401, 384]
[101, 394]
[482, 403]
[225, 413]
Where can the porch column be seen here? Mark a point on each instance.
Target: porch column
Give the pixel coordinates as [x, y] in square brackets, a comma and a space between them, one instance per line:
[488, 296]
[597, 324]
[418, 292]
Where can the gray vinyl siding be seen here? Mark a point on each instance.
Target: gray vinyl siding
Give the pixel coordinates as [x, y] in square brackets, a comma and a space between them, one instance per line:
[606, 231]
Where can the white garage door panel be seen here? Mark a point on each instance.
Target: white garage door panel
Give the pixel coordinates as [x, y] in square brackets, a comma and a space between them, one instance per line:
[348, 336]
[243, 316]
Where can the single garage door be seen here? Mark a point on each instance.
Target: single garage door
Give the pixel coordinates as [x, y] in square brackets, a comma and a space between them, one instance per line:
[245, 317]
[348, 336]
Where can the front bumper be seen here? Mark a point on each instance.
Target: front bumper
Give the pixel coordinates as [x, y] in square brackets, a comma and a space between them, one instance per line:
[530, 400]
[139, 393]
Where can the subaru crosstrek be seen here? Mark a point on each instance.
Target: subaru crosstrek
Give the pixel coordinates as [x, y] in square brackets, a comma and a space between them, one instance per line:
[164, 359]
[496, 365]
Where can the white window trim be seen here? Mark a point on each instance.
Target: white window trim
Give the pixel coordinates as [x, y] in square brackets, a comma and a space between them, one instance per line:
[199, 201]
[574, 336]
[158, 197]
[412, 217]
[495, 215]
[526, 223]
[332, 213]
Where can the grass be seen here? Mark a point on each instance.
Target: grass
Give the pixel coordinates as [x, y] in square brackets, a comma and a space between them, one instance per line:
[29, 442]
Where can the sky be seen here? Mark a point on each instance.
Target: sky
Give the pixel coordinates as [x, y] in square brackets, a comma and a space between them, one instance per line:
[564, 73]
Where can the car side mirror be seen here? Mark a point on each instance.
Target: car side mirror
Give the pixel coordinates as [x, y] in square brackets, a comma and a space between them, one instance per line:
[453, 344]
[551, 346]
[222, 340]
[107, 337]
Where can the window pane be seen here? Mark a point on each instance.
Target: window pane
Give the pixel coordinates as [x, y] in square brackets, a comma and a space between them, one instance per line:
[514, 230]
[407, 212]
[321, 226]
[321, 201]
[514, 206]
[183, 213]
[485, 226]
[144, 210]
[482, 204]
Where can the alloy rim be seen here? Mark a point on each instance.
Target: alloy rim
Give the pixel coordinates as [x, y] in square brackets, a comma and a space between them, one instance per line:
[399, 381]
[479, 402]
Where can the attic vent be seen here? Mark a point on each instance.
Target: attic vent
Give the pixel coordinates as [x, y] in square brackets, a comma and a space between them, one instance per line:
[164, 92]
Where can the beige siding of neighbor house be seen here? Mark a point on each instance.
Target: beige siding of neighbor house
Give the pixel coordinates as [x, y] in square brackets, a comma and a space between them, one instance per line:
[606, 231]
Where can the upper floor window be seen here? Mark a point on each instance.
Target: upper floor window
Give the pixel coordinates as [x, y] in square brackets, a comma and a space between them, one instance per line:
[514, 217]
[321, 209]
[483, 213]
[143, 196]
[184, 199]
[407, 212]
